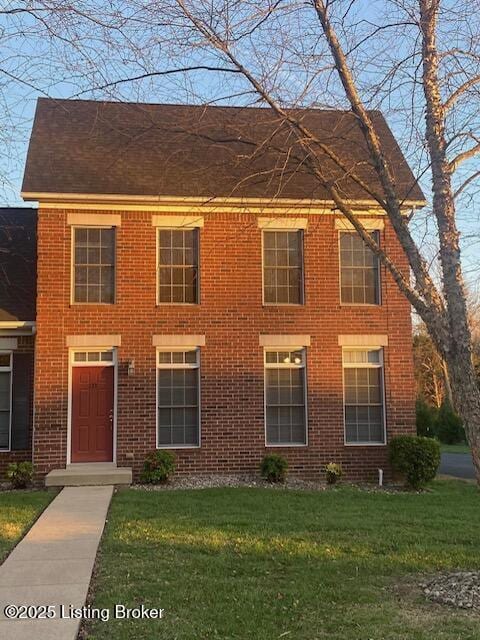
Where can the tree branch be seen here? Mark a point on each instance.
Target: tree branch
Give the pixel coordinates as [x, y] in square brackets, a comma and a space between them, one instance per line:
[462, 157]
[465, 184]
[448, 104]
[425, 283]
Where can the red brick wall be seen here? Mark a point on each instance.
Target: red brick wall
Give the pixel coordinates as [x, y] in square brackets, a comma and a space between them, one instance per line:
[25, 345]
[231, 316]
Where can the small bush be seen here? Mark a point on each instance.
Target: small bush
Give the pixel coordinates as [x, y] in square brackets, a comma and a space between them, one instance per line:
[274, 468]
[158, 467]
[20, 474]
[449, 427]
[416, 457]
[333, 472]
[426, 419]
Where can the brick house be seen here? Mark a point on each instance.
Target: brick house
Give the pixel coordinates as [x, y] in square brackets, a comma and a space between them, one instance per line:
[197, 291]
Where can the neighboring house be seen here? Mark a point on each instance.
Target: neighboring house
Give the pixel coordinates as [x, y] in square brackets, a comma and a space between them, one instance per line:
[197, 291]
[18, 245]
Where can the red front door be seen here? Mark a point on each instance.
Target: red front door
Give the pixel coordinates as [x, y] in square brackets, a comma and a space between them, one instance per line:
[92, 414]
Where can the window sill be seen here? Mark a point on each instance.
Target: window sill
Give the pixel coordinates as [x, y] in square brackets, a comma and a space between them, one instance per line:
[365, 444]
[361, 304]
[179, 446]
[177, 304]
[286, 444]
[294, 305]
[93, 304]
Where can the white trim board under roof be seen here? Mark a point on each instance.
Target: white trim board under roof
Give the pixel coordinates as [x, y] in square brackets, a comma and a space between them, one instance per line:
[193, 205]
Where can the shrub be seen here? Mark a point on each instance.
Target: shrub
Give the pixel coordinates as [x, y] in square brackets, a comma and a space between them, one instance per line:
[158, 467]
[334, 472]
[416, 457]
[426, 419]
[449, 427]
[274, 468]
[20, 474]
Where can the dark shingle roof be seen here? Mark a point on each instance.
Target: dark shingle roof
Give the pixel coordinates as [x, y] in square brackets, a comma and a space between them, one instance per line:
[175, 150]
[18, 264]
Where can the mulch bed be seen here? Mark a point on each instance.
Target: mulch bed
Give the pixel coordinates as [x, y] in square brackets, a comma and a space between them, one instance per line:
[251, 481]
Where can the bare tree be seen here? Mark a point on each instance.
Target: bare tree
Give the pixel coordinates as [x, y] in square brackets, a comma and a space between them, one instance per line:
[417, 60]
[430, 370]
[220, 28]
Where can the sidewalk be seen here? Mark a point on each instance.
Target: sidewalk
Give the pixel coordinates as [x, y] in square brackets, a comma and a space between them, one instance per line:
[53, 564]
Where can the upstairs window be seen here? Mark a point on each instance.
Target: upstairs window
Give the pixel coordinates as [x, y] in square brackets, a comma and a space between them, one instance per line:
[359, 270]
[94, 265]
[178, 398]
[364, 396]
[178, 266]
[285, 404]
[5, 399]
[283, 267]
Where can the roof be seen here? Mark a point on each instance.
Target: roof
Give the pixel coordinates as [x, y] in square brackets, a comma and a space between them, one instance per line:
[18, 264]
[88, 147]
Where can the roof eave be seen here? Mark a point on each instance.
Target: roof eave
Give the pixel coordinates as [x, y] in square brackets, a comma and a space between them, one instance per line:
[85, 200]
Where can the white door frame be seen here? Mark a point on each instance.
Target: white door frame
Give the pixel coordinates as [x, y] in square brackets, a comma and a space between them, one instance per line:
[71, 364]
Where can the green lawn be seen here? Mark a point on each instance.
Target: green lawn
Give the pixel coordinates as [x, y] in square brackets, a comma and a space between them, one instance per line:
[261, 564]
[18, 509]
[455, 448]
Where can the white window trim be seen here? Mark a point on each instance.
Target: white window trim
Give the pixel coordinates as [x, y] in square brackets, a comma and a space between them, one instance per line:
[282, 224]
[158, 229]
[71, 365]
[93, 363]
[271, 365]
[367, 365]
[177, 222]
[166, 365]
[379, 276]
[8, 369]
[73, 228]
[295, 305]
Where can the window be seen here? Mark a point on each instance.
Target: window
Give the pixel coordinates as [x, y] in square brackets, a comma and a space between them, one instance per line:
[178, 398]
[85, 357]
[285, 397]
[5, 399]
[363, 383]
[94, 265]
[178, 266]
[283, 267]
[359, 270]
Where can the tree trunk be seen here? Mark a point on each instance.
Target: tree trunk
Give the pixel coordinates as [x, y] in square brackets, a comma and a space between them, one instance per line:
[466, 401]
[446, 381]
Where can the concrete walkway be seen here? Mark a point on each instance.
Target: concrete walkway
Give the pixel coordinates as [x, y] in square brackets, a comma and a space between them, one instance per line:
[53, 564]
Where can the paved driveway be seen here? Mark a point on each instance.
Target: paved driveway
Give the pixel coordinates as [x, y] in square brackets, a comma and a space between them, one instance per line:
[459, 465]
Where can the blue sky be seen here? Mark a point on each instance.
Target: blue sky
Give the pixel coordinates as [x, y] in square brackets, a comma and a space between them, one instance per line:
[79, 63]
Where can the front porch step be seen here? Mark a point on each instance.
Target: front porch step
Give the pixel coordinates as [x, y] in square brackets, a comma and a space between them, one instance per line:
[80, 475]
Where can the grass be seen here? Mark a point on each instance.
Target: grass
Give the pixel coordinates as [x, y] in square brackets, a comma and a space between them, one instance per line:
[455, 448]
[18, 510]
[261, 564]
